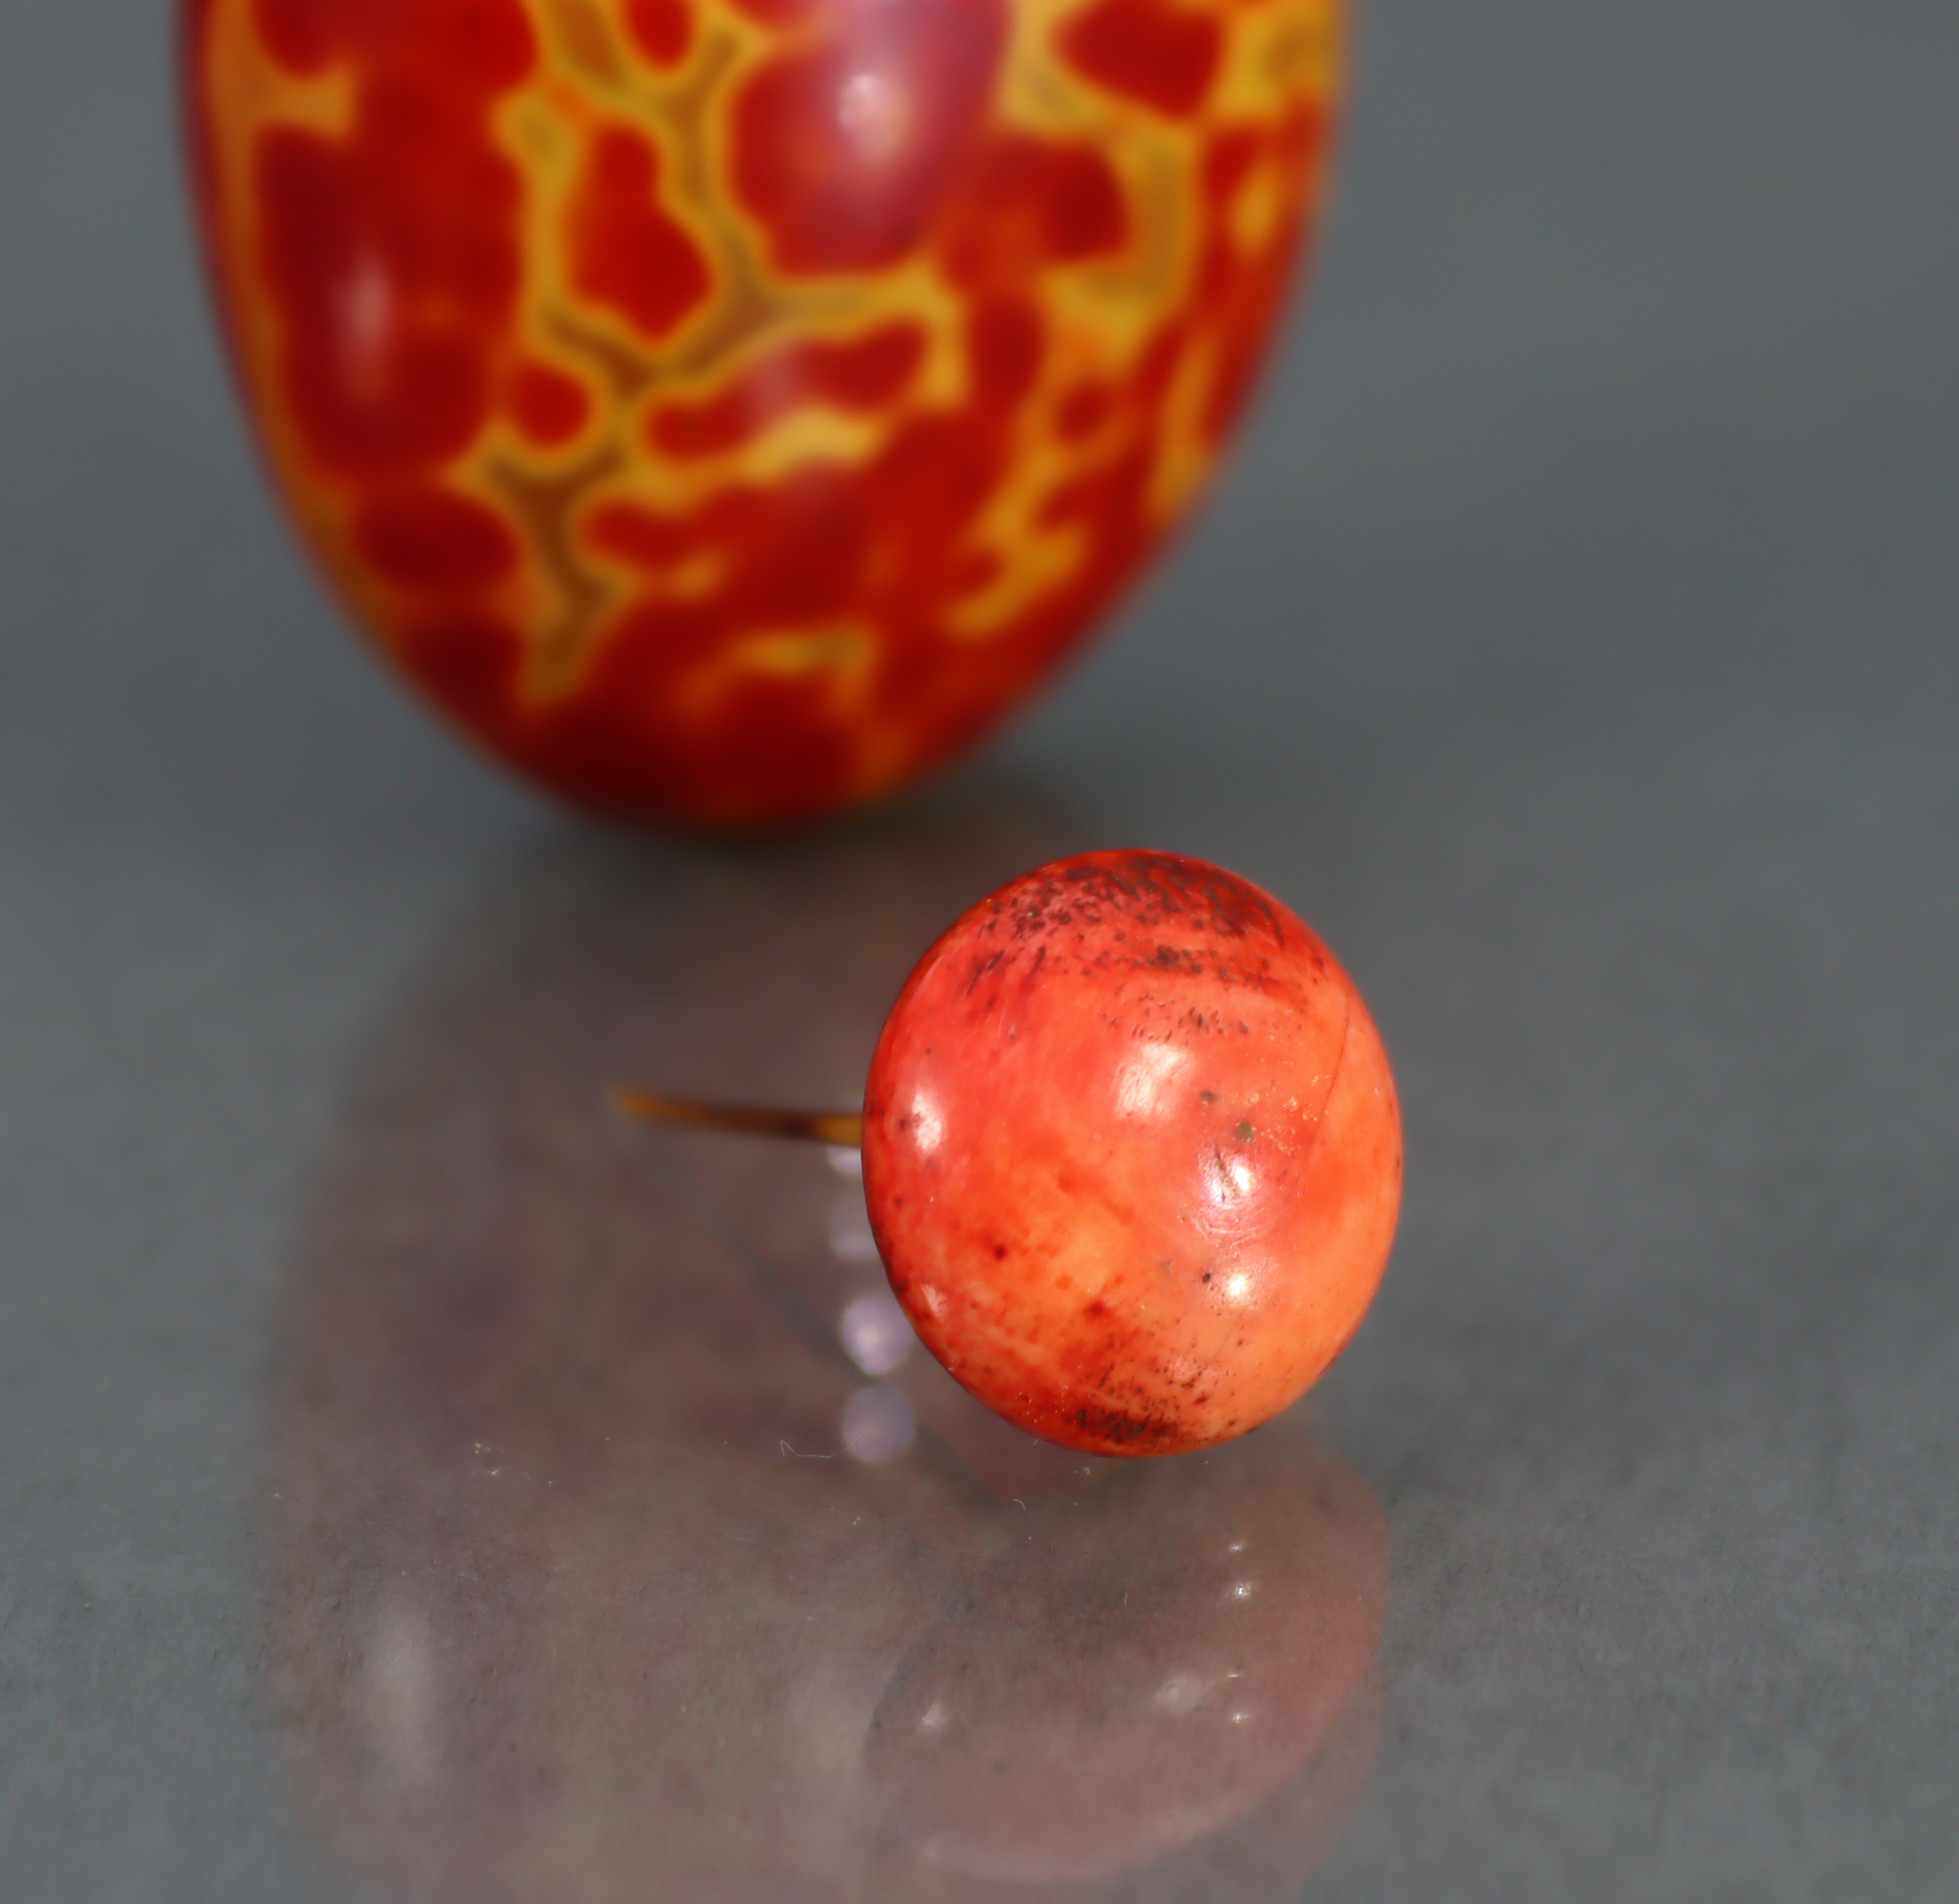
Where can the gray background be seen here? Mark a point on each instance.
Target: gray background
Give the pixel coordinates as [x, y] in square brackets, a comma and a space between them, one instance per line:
[1572, 642]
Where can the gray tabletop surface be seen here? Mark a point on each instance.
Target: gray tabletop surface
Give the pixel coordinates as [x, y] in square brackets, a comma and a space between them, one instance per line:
[1573, 642]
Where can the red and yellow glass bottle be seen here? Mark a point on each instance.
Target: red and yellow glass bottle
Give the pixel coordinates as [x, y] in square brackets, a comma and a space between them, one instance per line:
[727, 409]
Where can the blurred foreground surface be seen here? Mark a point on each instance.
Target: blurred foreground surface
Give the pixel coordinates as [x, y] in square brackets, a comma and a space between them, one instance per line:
[619, 1535]
[394, 1495]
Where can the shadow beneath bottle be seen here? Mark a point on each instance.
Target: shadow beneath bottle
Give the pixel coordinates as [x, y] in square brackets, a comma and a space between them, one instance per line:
[621, 1541]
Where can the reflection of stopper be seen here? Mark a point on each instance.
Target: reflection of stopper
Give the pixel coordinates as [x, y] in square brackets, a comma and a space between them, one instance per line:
[1140, 1668]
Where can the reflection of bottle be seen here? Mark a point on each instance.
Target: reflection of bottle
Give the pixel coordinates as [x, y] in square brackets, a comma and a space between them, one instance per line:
[588, 1568]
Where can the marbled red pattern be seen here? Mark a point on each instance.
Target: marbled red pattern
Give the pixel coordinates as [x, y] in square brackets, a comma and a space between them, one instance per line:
[727, 409]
